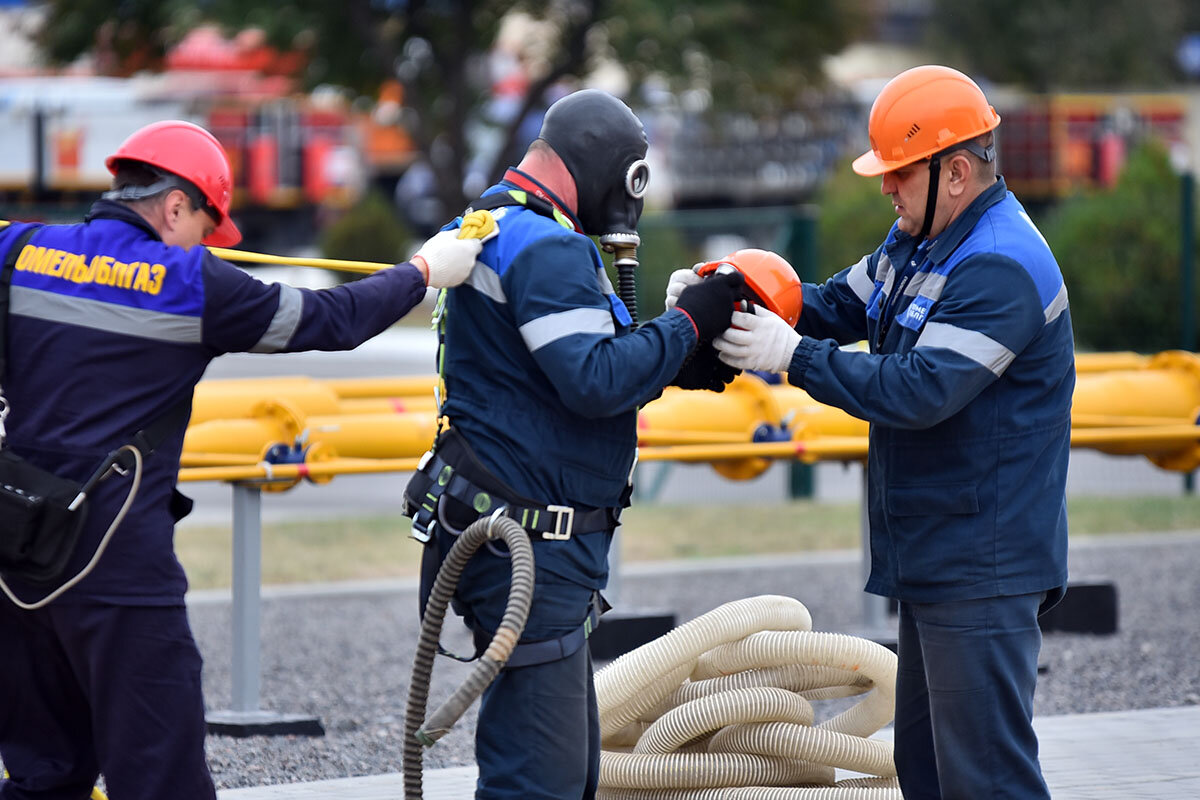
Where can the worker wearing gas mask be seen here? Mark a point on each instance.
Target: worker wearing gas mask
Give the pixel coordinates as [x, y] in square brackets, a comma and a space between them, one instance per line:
[111, 324]
[544, 373]
[967, 385]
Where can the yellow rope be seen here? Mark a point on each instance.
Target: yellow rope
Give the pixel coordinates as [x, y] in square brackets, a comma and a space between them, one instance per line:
[245, 256]
[477, 225]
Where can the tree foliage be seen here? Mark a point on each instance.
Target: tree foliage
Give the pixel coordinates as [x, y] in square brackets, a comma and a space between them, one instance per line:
[367, 232]
[1066, 44]
[855, 217]
[736, 54]
[1119, 252]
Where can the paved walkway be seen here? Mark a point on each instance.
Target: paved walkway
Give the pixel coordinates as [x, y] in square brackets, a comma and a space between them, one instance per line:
[1116, 756]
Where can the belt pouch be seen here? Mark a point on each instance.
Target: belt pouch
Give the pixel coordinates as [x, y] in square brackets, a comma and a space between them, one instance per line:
[38, 532]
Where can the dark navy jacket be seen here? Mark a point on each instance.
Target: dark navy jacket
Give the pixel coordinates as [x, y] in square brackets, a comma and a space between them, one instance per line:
[109, 328]
[544, 377]
[967, 387]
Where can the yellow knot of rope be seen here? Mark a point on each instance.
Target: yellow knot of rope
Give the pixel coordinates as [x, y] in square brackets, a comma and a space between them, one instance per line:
[477, 225]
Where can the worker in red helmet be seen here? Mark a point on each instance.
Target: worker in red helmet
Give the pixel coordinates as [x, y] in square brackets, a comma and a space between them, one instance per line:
[967, 385]
[110, 325]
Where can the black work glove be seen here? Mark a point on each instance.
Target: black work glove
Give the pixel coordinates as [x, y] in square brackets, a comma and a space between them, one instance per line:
[710, 303]
[704, 370]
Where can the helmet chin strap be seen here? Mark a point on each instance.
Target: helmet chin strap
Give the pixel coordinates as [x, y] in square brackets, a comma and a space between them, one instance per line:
[935, 169]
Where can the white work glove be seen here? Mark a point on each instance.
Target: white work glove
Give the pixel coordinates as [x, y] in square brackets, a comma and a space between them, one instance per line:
[680, 279]
[761, 341]
[448, 259]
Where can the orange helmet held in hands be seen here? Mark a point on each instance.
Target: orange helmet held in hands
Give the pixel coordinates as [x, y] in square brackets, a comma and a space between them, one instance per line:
[920, 112]
[194, 154]
[770, 281]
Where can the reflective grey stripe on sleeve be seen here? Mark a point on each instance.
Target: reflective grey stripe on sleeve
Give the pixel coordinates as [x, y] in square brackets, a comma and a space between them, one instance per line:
[974, 345]
[484, 280]
[542, 331]
[859, 281]
[1057, 305]
[606, 287]
[111, 317]
[284, 323]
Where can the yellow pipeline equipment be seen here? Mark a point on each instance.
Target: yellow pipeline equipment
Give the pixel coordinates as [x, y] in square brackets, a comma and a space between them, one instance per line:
[238, 399]
[745, 412]
[1105, 362]
[1167, 386]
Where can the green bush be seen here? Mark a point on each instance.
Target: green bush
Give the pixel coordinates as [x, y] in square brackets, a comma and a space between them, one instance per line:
[854, 219]
[1119, 253]
[370, 231]
[663, 250]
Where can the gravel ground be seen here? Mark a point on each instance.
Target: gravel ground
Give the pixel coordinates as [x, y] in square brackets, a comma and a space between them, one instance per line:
[346, 657]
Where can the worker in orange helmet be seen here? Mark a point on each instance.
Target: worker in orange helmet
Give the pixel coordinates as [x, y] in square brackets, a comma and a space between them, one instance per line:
[967, 385]
[110, 324]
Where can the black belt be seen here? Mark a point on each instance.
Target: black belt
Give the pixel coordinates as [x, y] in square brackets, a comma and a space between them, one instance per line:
[469, 483]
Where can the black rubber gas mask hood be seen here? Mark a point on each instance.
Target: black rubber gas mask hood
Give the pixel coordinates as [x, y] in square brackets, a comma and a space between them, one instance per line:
[603, 146]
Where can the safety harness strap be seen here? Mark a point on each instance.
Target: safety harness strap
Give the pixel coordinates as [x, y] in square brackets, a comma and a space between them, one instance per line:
[529, 654]
[438, 477]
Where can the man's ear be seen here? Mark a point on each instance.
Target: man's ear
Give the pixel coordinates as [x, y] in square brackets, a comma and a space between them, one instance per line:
[175, 206]
[959, 173]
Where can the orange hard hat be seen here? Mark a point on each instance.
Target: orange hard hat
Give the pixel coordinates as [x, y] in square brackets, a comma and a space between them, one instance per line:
[920, 112]
[194, 154]
[770, 281]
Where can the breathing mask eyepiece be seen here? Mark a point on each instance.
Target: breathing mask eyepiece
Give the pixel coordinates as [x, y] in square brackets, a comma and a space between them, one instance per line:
[603, 145]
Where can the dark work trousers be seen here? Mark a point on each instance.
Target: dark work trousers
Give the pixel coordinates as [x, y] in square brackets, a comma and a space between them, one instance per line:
[964, 700]
[86, 689]
[538, 732]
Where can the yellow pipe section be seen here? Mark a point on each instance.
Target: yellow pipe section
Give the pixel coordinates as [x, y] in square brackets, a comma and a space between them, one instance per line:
[236, 399]
[1148, 410]
[1106, 362]
[1168, 386]
[272, 422]
[374, 435]
[810, 419]
[1179, 444]
[388, 405]
[735, 414]
[409, 386]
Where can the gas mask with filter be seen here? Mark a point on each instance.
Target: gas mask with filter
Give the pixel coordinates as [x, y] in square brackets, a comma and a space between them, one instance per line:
[603, 145]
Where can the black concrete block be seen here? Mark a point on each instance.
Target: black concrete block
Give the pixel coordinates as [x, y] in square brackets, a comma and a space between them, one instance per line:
[1087, 607]
[622, 631]
[262, 723]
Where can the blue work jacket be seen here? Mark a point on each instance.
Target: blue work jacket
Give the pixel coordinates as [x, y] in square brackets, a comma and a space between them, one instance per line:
[109, 328]
[544, 377]
[967, 386]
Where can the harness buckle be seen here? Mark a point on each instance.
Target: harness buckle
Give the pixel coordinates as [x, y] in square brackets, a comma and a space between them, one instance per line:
[422, 535]
[559, 534]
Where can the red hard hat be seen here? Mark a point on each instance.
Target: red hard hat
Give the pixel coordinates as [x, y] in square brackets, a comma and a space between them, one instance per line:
[193, 154]
[770, 281]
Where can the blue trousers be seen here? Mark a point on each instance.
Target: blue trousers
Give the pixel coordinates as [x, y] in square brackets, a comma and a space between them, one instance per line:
[964, 700]
[538, 732]
[86, 689]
